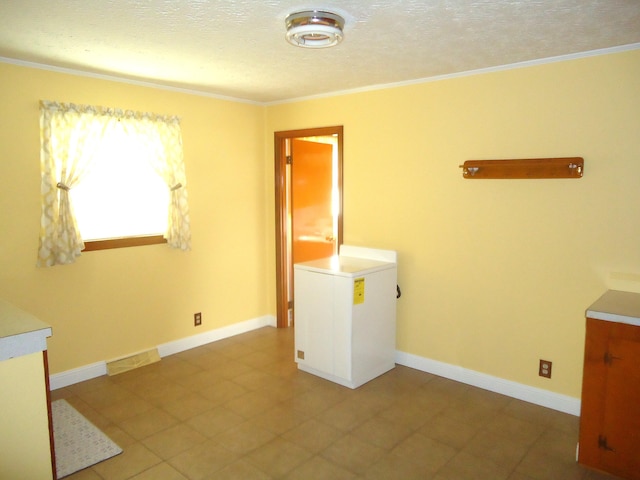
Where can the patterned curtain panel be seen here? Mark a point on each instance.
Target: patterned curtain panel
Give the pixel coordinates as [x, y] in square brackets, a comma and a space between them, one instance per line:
[163, 139]
[70, 136]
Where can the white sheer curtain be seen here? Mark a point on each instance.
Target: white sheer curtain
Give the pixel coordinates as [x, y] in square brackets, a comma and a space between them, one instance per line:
[163, 139]
[70, 136]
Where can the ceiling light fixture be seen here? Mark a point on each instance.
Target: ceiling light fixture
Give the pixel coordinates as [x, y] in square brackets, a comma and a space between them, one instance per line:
[314, 29]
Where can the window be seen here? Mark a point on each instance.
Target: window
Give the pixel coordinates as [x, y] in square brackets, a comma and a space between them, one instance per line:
[109, 174]
[109, 204]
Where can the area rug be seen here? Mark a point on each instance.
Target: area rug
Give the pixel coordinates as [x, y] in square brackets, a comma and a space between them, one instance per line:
[78, 443]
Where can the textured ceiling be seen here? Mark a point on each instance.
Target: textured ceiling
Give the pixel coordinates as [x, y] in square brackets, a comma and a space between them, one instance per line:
[237, 48]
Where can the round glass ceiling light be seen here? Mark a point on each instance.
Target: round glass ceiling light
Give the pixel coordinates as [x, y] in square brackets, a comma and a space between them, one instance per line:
[314, 29]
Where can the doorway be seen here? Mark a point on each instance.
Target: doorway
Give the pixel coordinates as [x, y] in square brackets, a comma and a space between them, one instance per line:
[308, 187]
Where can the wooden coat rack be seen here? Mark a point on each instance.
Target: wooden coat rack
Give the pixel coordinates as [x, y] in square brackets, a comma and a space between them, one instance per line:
[568, 167]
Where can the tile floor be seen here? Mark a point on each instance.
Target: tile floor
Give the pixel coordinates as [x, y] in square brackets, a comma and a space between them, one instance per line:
[239, 409]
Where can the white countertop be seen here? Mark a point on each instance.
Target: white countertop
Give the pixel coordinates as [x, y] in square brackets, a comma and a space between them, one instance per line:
[20, 332]
[344, 266]
[617, 306]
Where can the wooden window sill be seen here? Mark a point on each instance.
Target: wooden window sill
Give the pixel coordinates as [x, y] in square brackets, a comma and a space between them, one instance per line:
[93, 245]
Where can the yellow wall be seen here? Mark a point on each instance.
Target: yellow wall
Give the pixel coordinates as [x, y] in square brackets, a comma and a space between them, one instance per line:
[25, 452]
[495, 274]
[117, 302]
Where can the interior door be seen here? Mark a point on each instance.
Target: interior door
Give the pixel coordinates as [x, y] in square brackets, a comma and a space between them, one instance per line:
[308, 171]
[312, 223]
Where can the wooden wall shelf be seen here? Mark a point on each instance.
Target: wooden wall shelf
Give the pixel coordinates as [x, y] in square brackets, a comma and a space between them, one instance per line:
[568, 167]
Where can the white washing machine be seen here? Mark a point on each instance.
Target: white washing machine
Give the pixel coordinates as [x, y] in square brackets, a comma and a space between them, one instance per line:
[345, 315]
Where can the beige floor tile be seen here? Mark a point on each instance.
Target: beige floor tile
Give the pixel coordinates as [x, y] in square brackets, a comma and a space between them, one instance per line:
[278, 457]
[595, 475]
[89, 412]
[542, 465]
[126, 408]
[318, 468]
[251, 404]
[188, 406]
[200, 380]
[279, 419]
[557, 444]
[372, 400]
[449, 431]
[133, 460]
[381, 432]
[528, 412]
[313, 435]
[208, 360]
[425, 453]
[163, 392]
[346, 415]
[519, 476]
[119, 436]
[485, 398]
[352, 453]
[215, 421]
[174, 440]
[434, 396]
[518, 431]
[311, 403]
[91, 385]
[564, 422]
[140, 380]
[240, 470]
[203, 461]
[62, 393]
[475, 415]
[162, 471]
[257, 359]
[409, 413]
[235, 350]
[443, 386]
[86, 474]
[244, 438]
[240, 409]
[281, 368]
[174, 368]
[502, 450]
[147, 423]
[280, 389]
[392, 466]
[253, 379]
[222, 392]
[468, 467]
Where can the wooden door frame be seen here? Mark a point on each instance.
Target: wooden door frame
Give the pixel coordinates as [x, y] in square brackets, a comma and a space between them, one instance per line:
[280, 169]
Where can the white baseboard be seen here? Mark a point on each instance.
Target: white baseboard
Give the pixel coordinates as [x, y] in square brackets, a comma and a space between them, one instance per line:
[538, 396]
[194, 341]
[77, 375]
[87, 372]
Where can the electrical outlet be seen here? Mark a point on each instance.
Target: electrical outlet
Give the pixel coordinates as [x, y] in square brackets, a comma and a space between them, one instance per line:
[197, 319]
[545, 368]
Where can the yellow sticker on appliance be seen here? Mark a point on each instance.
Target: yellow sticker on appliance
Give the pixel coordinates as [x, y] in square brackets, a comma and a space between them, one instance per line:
[358, 291]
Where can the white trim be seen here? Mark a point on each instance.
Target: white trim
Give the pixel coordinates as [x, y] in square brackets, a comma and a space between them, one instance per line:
[77, 375]
[130, 81]
[467, 73]
[87, 372]
[529, 63]
[194, 341]
[538, 396]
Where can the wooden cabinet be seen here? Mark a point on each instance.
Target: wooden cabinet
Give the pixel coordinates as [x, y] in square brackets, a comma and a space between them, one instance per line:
[610, 409]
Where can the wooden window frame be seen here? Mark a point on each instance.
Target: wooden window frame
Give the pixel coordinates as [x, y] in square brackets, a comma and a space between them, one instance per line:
[93, 245]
